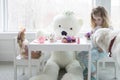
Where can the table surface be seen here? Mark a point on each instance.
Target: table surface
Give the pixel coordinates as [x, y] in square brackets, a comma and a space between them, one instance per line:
[58, 45]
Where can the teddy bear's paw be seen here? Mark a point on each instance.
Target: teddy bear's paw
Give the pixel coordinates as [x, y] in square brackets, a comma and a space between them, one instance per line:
[43, 77]
[69, 76]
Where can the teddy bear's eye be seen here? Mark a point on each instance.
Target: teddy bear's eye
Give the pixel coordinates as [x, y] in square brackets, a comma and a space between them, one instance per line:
[71, 28]
[59, 26]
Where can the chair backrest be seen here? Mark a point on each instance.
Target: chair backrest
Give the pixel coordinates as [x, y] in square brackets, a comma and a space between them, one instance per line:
[16, 48]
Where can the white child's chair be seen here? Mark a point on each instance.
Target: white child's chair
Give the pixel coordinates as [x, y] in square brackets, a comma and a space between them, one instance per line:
[19, 61]
[106, 60]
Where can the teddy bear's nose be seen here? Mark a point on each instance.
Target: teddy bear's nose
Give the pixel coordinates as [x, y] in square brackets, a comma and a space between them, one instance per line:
[64, 33]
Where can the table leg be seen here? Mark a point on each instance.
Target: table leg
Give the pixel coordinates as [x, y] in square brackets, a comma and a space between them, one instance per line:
[89, 66]
[29, 63]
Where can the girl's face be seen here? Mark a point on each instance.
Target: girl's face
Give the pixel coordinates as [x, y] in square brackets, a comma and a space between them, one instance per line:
[98, 20]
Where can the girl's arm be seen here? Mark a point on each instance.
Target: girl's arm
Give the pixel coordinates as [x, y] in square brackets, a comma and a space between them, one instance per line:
[99, 49]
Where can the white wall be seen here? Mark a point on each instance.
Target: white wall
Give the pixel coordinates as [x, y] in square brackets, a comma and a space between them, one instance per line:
[7, 45]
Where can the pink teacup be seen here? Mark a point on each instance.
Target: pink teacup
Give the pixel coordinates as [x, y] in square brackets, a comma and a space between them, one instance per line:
[41, 39]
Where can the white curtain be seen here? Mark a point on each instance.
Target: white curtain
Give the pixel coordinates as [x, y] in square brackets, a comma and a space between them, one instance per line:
[1, 16]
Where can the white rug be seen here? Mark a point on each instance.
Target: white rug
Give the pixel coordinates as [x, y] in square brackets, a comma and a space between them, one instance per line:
[7, 72]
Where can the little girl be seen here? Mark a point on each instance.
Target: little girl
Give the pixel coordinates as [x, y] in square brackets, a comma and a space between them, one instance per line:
[22, 42]
[99, 19]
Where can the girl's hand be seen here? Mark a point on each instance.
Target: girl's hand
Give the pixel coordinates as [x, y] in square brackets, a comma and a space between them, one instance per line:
[100, 50]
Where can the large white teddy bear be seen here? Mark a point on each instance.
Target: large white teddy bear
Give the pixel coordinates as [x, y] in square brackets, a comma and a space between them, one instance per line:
[67, 25]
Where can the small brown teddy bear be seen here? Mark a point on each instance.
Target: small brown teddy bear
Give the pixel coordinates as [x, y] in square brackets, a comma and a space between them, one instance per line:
[22, 42]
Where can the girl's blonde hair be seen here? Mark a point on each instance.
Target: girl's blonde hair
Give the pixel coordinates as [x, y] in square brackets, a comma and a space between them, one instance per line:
[101, 12]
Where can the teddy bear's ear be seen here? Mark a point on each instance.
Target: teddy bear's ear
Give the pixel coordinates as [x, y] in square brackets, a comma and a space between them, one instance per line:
[81, 22]
[68, 13]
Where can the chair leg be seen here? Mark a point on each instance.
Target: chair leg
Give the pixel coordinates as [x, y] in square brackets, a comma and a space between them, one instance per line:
[15, 72]
[115, 71]
[38, 68]
[97, 76]
[42, 65]
[23, 71]
[103, 65]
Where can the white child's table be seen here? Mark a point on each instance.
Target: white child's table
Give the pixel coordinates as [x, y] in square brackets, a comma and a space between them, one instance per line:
[58, 46]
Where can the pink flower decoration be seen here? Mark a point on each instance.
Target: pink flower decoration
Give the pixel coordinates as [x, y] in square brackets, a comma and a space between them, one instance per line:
[87, 35]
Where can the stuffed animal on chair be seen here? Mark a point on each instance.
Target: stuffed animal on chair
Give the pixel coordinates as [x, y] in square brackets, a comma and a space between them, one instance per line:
[23, 42]
[63, 26]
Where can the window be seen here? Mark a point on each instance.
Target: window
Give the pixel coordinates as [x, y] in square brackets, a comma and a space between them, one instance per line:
[38, 14]
[1, 17]
[115, 14]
